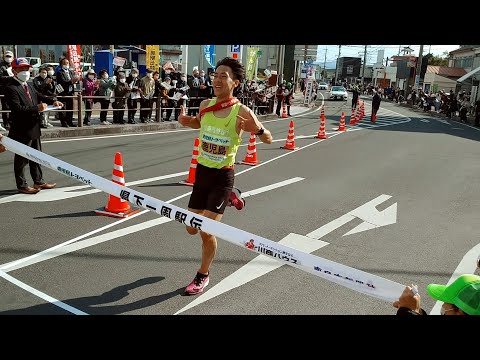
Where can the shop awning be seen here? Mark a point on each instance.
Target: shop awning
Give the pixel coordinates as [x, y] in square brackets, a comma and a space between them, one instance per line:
[467, 75]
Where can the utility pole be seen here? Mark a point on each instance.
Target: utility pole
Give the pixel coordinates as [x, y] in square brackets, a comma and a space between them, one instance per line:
[325, 64]
[336, 69]
[185, 59]
[419, 67]
[399, 49]
[281, 54]
[429, 49]
[364, 63]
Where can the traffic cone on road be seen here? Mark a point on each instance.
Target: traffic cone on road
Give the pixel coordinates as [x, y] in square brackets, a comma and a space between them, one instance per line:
[290, 143]
[362, 110]
[321, 132]
[322, 116]
[193, 165]
[342, 127]
[353, 120]
[284, 111]
[251, 156]
[117, 207]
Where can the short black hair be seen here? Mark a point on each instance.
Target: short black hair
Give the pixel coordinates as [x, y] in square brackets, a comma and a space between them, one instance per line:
[237, 67]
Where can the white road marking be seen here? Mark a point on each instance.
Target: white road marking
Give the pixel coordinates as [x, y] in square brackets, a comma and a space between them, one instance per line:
[41, 295]
[75, 244]
[73, 191]
[257, 267]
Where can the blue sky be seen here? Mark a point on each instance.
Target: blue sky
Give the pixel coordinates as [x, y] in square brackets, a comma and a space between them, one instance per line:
[358, 51]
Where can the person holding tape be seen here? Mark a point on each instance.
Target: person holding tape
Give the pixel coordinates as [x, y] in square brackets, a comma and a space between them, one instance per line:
[222, 121]
[461, 297]
[25, 104]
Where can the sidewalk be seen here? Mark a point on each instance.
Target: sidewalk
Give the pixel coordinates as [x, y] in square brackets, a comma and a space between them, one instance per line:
[95, 128]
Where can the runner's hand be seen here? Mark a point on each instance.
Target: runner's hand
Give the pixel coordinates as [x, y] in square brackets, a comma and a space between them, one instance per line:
[182, 118]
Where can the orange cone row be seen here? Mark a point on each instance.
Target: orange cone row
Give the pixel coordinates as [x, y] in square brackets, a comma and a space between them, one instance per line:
[290, 143]
[321, 132]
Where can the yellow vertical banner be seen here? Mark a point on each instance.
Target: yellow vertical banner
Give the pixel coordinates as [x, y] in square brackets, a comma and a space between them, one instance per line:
[153, 57]
[252, 55]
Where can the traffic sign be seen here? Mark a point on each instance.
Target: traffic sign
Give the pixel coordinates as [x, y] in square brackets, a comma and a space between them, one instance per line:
[235, 48]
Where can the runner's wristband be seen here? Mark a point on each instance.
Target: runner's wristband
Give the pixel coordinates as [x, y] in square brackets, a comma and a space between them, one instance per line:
[260, 132]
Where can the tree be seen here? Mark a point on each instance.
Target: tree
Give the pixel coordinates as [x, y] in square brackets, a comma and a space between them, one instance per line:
[438, 60]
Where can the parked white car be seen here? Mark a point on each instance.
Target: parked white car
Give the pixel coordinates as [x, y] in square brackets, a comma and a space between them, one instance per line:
[338, 92]
[323, 86]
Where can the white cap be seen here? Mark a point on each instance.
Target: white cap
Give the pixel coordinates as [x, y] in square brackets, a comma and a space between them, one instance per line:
[8, 53]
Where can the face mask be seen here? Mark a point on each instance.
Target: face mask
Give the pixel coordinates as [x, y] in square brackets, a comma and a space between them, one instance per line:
[134, 75]
[212, 77]
[105, 76]
[174, 82]
[150, 75]
[23, 76]
[8, 60]
[65, 67]
[91, 77]
[183, 78]
[50, 72]
[202, 75]
[122, 81]
[43, 75]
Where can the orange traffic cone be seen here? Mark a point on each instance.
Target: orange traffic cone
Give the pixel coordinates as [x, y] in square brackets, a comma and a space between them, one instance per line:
[251, 156]
[322, 116]
[362, 110]
[193, 165]
[342, 127]
[290, 144]
[353, 120]
[284, 111]
[321, 132]
[117, 207]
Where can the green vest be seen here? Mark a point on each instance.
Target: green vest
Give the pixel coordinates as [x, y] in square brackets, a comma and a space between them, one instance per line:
[219, 140]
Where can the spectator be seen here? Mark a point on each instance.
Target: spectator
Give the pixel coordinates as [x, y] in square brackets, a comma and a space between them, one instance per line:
[182, 91]
[45, 86]
[5, 73]
[477, 113]
[105, 88]
[147, 86]
[90, 87]
[121, 92]
[24, 102]
[194, 83]
[376, 100]
[461, 297]
[66, 79]
[134, 96]
[167, 105]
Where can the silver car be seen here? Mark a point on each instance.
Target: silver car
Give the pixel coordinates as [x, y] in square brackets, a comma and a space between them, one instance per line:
[338, 92]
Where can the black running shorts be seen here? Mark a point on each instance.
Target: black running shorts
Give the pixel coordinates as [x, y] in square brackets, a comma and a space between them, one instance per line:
[212, 188]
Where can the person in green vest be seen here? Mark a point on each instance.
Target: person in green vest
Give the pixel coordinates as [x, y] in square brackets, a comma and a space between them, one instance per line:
[222, 121]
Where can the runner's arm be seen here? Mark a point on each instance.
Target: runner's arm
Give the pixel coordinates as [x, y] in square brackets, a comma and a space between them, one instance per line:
[248, 121]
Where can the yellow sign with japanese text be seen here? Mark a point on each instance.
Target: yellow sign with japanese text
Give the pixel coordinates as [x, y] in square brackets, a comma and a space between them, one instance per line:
[153, 57]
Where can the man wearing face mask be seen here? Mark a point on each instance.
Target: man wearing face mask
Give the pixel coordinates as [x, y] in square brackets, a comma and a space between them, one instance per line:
[5, 73]
[66, 78]
[134, 96]
[45, 86]
[181, 87]
[148, 89]
[24, 102]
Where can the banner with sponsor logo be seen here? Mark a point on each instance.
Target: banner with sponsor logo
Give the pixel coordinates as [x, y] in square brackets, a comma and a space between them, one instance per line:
[252, 56]
[153, 57]
[209, 51]
[74, 53]
[354, 279]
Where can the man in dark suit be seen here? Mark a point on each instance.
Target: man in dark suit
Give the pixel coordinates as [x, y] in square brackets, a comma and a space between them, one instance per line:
[25, 107]
[67, 79]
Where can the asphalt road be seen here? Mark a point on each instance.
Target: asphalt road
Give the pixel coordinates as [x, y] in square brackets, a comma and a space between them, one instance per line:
[422, 171]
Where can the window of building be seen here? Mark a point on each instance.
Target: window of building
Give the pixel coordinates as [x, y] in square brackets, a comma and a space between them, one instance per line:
[43, 55]
[51, 56]
[28, 51]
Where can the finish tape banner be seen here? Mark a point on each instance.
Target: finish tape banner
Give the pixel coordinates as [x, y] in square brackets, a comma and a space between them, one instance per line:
[349, 277]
